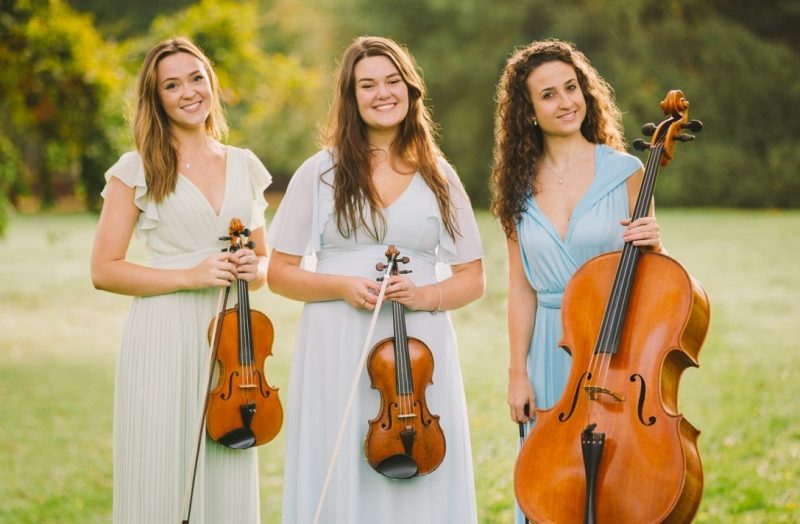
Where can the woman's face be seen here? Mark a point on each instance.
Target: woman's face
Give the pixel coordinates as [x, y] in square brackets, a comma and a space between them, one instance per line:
[184, 90]
[381, 94]
[558, 102]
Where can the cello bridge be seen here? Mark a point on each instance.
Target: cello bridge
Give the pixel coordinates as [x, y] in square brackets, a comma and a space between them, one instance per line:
[595, 392]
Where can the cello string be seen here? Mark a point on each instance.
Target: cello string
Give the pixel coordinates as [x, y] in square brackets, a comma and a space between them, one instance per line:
[614, 315]
[348, 407]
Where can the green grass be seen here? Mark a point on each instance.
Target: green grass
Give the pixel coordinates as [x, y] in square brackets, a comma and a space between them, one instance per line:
[58, 340]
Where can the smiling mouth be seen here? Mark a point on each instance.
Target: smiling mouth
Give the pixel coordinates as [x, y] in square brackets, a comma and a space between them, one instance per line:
[385, 107]
[568, 116]
[194, 106]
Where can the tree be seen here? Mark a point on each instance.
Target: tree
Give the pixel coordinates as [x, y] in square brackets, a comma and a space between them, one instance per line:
[59, 82]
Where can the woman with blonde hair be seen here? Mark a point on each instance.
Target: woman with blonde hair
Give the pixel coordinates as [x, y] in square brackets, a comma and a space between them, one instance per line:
[564, 190]
[178, 192]
[380, 180]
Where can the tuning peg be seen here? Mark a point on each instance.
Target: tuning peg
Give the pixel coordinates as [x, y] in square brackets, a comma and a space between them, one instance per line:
[225, 238]
[246, 232]
[685, 137]
[695, 126]
[640, 145]
[648, 129]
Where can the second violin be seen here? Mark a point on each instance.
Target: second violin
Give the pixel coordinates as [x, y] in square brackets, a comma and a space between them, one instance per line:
[405, 440]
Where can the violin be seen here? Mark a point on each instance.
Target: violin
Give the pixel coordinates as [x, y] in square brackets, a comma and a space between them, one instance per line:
[405, 440]
[614, 448]
[243, 409]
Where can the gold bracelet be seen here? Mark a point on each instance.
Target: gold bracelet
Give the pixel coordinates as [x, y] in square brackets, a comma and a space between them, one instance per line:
[439, 305]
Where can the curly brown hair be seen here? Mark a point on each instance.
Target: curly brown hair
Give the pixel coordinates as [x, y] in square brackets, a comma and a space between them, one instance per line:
[347, 136]
[519, 142]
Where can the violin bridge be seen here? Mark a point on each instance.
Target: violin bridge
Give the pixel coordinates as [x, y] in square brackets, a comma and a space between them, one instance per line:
[595, 392]
[407, 415]
[247, 386]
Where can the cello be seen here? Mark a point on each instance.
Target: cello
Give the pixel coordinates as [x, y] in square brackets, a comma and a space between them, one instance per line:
[404, 440]
[614, 448]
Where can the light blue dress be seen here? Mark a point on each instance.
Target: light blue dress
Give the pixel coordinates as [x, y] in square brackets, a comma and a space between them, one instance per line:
[329, 345]
[550, 261]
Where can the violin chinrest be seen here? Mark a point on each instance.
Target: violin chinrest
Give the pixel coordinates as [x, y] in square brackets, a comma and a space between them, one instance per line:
[399, 466]
[239, 438]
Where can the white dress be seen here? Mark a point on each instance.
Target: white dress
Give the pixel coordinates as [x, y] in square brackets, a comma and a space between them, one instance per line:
[161, 375]
[329, 342]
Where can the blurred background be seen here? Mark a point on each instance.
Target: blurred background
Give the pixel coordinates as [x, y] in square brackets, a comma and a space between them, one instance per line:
[67, 70]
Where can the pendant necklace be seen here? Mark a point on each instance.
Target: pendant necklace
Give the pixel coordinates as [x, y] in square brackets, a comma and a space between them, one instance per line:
[560, 174]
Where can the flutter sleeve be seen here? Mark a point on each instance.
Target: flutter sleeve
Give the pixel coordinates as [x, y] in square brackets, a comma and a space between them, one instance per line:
[260, 179]
[295, 228]
[466, 246]
[130, 170]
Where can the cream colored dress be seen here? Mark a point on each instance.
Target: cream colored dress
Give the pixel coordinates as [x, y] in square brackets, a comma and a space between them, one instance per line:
[160, 377]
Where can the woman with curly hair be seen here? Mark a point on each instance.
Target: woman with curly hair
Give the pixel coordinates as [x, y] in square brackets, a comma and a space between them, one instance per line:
[563, 191]
[379, 180]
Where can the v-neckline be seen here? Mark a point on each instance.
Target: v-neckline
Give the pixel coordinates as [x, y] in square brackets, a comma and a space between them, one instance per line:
[403, 192]
[571, 217]
[216, 213]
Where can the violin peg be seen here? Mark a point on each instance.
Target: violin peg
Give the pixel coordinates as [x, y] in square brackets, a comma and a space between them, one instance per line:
[685, 137]
[648, 129]
[640, 145]
[251, 244]
[695, 126]
[245, 232]
[225, 238]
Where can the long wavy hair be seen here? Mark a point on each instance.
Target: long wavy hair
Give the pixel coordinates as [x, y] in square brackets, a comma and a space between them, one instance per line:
[346, 135]
[151, 126]
[519, 142]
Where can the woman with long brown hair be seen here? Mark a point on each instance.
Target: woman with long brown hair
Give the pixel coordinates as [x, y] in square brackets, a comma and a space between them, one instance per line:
[379, 180]
[563, 191]
[178, 192]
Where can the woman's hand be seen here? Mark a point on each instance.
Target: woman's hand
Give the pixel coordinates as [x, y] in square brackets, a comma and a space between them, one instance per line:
[245, 264]
[216, 270]
[361, 293]
[520, 394]
[643, 232]
[403, 291]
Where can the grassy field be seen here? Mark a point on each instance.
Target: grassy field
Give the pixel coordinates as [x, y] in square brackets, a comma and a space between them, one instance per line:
[58, 340]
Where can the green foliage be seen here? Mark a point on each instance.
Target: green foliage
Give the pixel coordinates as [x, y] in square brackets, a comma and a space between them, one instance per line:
[58, 78]
[62, 85]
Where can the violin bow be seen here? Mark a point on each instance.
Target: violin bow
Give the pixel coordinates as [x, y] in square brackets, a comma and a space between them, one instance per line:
[349, 406]
[188, 494]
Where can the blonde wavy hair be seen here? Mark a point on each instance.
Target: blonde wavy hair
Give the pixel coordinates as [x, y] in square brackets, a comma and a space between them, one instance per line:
[346, 136]
[518, 142]
[151, 126]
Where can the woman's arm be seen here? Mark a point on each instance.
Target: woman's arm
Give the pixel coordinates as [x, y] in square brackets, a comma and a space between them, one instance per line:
[466, 285]
[286, 277]
[112, 272]
[522, 304]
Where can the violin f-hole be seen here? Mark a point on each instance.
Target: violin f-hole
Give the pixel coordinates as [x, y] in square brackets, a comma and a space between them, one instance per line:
[642, 395]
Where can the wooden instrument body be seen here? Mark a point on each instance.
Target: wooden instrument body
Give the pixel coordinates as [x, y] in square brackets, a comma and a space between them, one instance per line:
[650, 469]
[241, 380]
[403, 411]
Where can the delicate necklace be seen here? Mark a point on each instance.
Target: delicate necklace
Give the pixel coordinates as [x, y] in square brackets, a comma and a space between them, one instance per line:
[560, 174]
